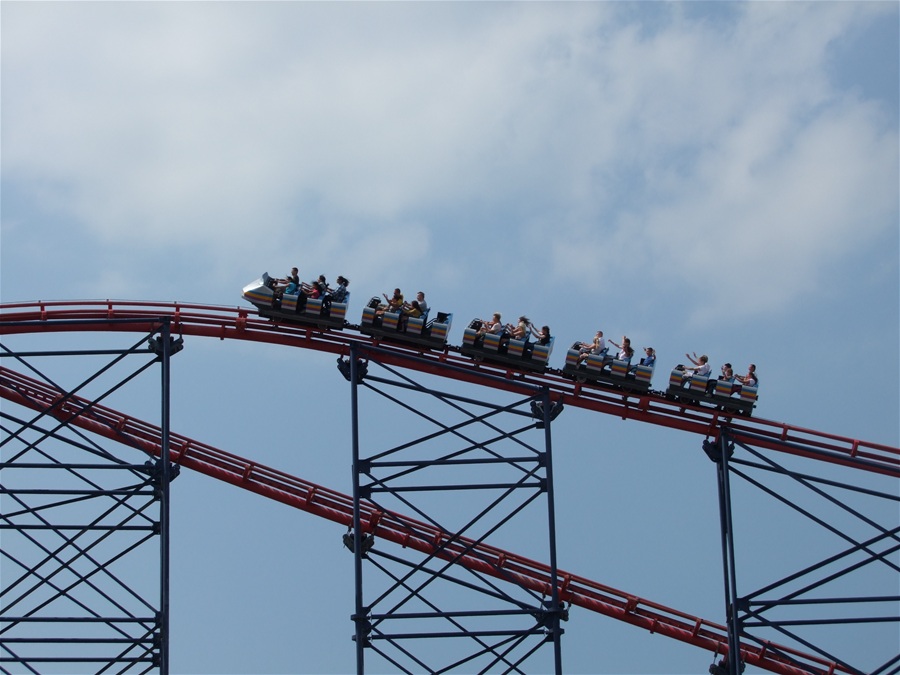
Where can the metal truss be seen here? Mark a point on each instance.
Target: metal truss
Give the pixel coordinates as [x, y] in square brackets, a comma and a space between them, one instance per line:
[479, 472]
[847, 591]
[85, 530]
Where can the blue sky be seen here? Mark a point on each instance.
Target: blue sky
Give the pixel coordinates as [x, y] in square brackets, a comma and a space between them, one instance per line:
[711, 177]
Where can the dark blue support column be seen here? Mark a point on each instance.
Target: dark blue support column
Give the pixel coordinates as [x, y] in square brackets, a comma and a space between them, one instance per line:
[720, 452]
[165, 478]
[360, 612]
[557, 611]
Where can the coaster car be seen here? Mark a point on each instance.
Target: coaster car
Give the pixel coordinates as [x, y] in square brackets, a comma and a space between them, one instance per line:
[725, 395]
[603, 369]
[297, 307]
[502, 349]
[399, 327]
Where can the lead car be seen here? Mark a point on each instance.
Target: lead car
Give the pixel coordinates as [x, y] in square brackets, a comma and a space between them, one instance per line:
[294, 308]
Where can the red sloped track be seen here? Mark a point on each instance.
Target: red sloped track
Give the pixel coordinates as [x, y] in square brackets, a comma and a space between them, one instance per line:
[394, 527]
[243, 324]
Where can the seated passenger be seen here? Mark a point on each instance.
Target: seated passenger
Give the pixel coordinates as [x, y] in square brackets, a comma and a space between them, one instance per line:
[701, 367]
[748, 380]
[392, 304]
[625, 350]
[293, 282]
[322, 285]
[408, 310]
[494, 326]
[597, 347]
[341, 294]
[543, 338]
[522, 330]
[649, 360]
[726, 376]
[290, 284]
[412, 310]
[543, 335]
[423, 306]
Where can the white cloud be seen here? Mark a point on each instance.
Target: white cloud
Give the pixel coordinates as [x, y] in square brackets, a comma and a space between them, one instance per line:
[746, 165]
[232, 126]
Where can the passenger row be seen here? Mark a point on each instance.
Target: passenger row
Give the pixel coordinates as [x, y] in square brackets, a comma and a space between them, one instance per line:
[690, 382]
[507, 343]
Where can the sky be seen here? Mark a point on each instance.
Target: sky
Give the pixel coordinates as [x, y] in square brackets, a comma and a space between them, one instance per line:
[705, 176]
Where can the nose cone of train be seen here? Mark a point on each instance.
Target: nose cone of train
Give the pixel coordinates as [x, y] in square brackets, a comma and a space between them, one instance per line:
[258, 292]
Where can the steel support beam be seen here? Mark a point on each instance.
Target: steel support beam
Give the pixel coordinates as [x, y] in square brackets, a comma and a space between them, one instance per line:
[474, 469]
[82, 525]
[861, 519]
[720, 451]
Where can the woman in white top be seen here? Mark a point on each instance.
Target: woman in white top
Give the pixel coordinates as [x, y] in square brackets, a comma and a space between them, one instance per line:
[701, 366]
[522, 330]
[493, 326]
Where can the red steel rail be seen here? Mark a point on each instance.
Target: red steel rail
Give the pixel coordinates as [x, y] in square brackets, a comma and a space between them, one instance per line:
[399, 529]
[244, 324]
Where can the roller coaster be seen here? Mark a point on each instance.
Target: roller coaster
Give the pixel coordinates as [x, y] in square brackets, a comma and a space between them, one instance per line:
[499, 346]
[426, 351]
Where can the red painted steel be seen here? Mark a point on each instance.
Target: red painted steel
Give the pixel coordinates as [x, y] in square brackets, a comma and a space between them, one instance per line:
[397, 528]
[244, 324]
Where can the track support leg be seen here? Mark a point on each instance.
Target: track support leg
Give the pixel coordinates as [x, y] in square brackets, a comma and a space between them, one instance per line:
[720, 451]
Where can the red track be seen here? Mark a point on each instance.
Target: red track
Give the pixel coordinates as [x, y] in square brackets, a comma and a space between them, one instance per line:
[243, 324]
